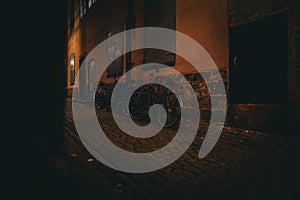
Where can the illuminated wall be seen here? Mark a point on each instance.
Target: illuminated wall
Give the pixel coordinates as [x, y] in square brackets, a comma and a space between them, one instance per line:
[205, 21]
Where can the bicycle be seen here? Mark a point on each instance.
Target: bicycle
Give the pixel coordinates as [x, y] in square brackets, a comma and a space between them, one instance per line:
[146, 96]
[173, 103]
[135, 109]
[141, 101]
[102, 97]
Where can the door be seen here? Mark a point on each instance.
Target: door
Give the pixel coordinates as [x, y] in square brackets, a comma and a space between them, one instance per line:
[258, 61]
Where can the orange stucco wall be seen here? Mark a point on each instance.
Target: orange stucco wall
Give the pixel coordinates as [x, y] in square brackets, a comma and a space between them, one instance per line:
[206, 22]
[203, 20]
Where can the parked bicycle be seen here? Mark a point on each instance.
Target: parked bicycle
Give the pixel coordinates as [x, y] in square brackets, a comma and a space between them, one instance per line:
[157, 94]
[102, 97]
[145, 97]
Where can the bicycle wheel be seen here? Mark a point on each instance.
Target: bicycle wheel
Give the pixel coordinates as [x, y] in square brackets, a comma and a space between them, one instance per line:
[144, 102]
[121, 109]
[136, 110]
[100, 98]
[172, 108]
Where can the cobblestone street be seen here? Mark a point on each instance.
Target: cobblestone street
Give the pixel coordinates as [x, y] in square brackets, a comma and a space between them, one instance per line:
[244, 164]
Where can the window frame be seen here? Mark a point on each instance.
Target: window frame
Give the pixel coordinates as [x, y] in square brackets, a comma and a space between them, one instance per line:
[72, 69]
[85, 6]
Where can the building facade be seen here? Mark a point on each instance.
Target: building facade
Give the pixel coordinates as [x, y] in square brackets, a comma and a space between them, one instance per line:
[262, 79]
[264, 91]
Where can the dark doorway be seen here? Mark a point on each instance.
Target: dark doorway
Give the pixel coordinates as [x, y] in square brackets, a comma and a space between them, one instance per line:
[258, 61]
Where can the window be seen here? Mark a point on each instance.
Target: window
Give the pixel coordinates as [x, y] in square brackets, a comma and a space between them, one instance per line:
[160, 14]
[71, 12]
[115, 47]
[85, 5]
[72, 69]
[91, 3]
[82, 8]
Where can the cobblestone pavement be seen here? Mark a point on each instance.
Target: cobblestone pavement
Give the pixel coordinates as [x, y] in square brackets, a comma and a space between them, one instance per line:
[244, 164]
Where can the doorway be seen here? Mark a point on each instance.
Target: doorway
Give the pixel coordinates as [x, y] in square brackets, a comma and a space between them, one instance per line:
[259, 61]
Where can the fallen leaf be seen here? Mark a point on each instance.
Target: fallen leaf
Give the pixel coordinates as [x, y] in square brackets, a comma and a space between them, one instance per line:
[90, 160]
[73, 154]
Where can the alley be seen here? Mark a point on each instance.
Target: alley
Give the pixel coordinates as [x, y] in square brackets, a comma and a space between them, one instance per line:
[244, 164]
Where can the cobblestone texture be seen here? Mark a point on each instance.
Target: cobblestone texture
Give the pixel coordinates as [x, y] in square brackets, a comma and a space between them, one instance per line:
[243, 165]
